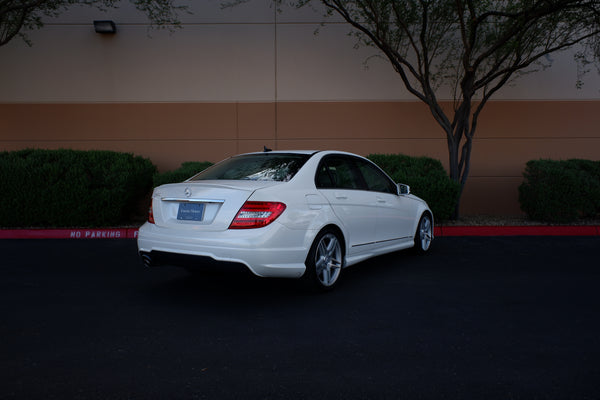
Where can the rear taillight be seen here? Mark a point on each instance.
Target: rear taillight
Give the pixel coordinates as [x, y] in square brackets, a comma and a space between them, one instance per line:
[151, 215]
[256, 214]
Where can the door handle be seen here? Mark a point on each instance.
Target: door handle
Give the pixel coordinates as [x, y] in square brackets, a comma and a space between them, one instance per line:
[340, 196]
[380, 199]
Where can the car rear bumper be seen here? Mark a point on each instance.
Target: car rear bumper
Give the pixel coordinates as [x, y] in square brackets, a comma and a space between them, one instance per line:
[191, 262]
[272, 251]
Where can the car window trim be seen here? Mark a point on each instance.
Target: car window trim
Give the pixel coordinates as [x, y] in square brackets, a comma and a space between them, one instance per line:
[355, 169]
[385, 176]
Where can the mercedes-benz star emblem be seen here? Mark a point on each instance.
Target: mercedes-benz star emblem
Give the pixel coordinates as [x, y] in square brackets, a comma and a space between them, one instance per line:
[187, 192]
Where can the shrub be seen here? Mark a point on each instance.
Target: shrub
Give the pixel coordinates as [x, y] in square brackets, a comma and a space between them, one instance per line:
[426, 177]
[561, 191]
[45, 188]
[185, 171]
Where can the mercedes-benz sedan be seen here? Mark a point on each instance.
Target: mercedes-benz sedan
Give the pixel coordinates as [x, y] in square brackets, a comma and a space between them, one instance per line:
[294, 214]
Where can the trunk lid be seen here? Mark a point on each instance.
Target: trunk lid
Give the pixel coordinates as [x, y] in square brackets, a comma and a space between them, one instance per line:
[202, 206]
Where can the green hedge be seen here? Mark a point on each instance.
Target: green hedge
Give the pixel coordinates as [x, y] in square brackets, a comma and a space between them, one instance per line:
[561, 191]
[426, 177]
[187, 170]
[67, 188]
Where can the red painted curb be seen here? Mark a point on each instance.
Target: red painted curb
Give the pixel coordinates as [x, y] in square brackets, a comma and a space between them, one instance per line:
[439, 231]
[103, 233]
[541, 230]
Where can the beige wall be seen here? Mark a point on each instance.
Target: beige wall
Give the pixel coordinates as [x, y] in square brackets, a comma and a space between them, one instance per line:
[234, 80]
[509, 134]
[250, 53]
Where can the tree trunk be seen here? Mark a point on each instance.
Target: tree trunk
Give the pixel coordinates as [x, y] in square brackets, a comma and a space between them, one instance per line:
[459, 137]
[455, 173]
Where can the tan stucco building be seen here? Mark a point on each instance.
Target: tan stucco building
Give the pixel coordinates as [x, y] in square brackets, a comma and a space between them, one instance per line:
[234, 80]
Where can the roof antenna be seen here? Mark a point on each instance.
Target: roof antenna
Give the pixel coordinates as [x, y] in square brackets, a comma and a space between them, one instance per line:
[266, 149]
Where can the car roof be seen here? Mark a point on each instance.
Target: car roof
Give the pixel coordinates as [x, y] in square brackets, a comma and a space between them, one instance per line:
[282, 152]
[309, 152]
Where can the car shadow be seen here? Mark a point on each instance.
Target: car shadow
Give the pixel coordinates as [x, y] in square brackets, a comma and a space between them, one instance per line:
[181, 286]
[379, 268]
[200, 287]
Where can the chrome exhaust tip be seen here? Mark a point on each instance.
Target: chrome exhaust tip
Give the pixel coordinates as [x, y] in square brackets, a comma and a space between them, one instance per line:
[146, 259]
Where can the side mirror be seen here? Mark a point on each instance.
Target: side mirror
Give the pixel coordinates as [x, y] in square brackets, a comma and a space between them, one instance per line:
[403, 189]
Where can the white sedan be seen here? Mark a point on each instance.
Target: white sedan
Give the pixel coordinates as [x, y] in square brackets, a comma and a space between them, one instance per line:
[294, 214]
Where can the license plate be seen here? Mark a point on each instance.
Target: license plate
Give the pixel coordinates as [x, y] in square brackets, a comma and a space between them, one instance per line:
[190, 211]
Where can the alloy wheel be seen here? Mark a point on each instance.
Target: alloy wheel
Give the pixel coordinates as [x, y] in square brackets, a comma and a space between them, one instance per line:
[328, 259]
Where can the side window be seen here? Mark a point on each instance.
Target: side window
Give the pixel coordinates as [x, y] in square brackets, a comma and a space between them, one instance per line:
[324, 179]
[338, 172]
[375, 179]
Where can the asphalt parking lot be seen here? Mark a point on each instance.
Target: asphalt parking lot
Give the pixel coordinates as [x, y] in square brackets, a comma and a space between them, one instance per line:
[477, 318]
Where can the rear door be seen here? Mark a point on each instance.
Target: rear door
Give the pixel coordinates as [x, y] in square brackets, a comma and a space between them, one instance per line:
[340, 181]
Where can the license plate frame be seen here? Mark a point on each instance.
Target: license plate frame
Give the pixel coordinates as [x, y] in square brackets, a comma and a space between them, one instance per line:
[191, 212]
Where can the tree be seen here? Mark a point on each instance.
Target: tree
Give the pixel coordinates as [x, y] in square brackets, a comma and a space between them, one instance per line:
[474, 47]
[16, 15]
[587, 56]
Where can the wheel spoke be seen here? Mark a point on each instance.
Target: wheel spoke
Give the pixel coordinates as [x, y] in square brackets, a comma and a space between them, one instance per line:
[320, 264]
[322, 249]
[335, 263]
[326, 273]
[331, 247]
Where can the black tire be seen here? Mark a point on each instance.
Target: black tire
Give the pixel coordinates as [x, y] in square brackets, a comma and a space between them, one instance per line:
[424, 234]
[325, 261]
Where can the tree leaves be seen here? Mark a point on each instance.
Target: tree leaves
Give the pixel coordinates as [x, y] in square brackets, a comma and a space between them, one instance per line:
[16, 15]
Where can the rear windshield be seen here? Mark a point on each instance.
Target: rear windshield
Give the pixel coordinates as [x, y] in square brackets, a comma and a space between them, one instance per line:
[255, 167]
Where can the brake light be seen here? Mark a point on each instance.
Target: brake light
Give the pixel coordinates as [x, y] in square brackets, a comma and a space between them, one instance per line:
[151, 215]
[256, 214]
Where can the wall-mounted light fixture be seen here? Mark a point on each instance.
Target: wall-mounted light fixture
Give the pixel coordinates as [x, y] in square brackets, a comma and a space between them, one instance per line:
[105, 26]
